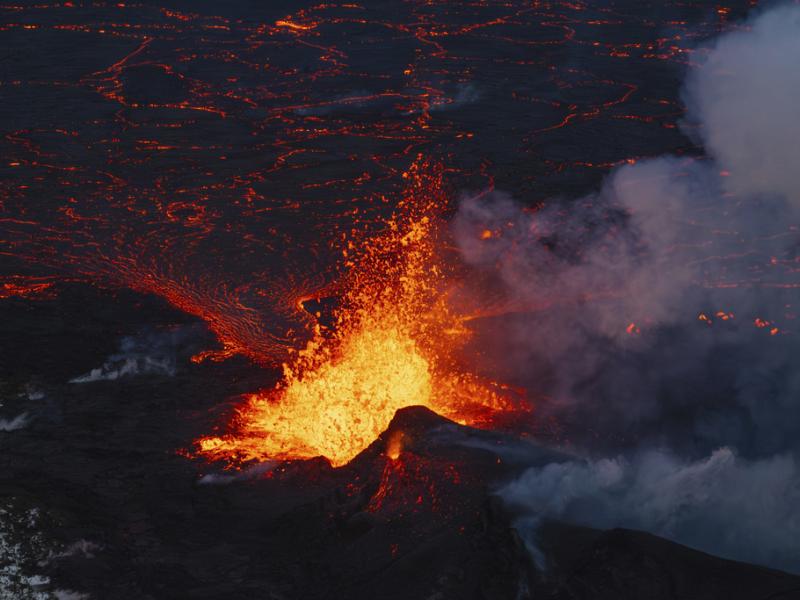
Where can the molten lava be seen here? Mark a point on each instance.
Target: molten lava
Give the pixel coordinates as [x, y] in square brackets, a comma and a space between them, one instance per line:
[393, 345]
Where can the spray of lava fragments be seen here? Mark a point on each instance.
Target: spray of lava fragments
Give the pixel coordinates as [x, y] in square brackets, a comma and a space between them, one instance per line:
[392, 345]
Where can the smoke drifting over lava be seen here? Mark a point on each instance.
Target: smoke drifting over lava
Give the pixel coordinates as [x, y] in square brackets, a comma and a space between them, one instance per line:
[744, 99]
[658, 316]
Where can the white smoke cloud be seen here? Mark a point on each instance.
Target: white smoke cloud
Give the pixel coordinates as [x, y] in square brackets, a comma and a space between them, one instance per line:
[746, 99]
[18, 422]
[611, 287]
[464, 93]
[744, 510]
[644, 261]
[119, 366]
[247, 474]
[70, 595]
[663, 241]
[152, 353]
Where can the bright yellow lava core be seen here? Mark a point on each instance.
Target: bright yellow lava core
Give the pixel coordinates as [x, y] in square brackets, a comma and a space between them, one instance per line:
[392, 346]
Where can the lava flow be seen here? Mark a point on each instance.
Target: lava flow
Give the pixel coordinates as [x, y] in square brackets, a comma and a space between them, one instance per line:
[392, 345]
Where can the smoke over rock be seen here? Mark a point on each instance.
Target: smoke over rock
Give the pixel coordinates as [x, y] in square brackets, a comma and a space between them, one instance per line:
[149, 353]
[658, 316]
[742, 509]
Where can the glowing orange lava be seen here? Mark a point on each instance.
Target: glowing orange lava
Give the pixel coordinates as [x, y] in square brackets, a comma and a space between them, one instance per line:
[393, 345]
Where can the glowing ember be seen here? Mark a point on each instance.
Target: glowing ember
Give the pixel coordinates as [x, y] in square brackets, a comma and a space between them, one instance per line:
[394, 446]
[21, 287]
[392, 346]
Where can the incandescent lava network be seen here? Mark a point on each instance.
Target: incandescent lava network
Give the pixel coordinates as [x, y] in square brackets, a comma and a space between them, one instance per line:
[246, 164]
[224, 162]
[255, 216]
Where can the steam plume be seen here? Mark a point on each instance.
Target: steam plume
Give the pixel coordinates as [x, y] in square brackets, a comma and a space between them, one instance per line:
[658, 315]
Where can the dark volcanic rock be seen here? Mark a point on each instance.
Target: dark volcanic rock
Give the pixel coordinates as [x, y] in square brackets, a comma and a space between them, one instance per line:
[126, 516]
[424, 525]
[622, 564]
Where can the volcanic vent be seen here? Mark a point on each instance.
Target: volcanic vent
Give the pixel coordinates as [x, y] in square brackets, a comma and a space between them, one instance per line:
[392, 343]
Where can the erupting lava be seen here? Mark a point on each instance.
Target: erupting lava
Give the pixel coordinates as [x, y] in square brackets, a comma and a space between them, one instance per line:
[393, 345]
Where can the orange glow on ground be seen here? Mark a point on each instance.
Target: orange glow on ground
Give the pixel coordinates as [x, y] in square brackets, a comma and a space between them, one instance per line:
[394, 446]
[20, 287]
[392, 346]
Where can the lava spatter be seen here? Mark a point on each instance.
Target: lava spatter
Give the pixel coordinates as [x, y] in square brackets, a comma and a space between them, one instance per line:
[393, 345]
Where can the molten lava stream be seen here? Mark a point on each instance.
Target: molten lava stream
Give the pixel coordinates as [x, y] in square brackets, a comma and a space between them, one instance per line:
[392, 346]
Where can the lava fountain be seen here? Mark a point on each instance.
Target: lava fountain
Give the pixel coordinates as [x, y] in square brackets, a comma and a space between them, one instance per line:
[392, 343]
